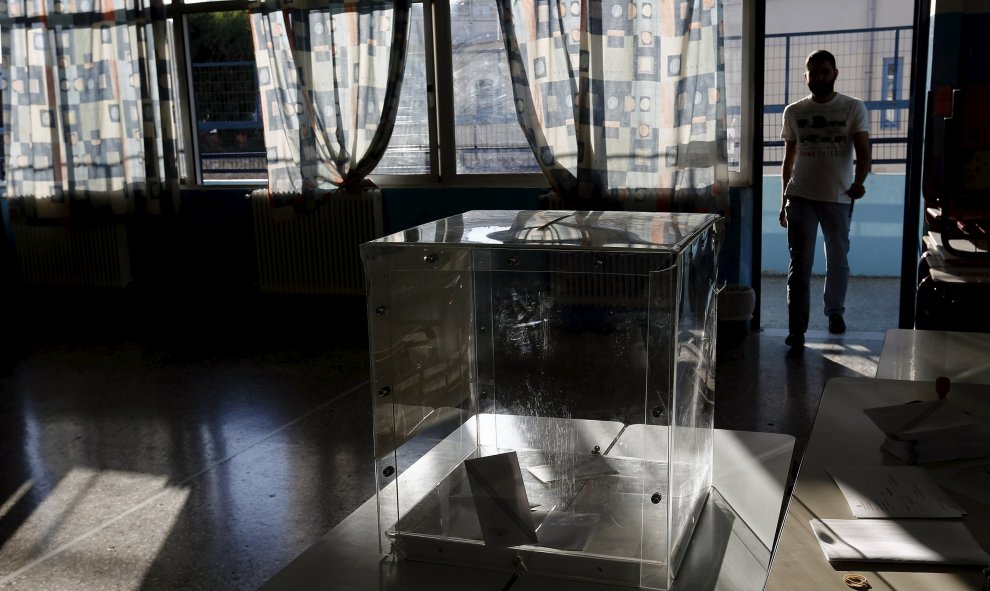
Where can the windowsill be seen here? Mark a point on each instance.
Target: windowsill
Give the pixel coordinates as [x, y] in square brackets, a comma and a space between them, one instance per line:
[422, 181]
[522, 181]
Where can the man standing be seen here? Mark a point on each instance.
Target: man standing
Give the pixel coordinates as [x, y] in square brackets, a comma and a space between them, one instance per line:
[821, 132]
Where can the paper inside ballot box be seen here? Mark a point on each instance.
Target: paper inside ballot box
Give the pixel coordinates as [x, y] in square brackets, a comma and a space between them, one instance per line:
[501, 501]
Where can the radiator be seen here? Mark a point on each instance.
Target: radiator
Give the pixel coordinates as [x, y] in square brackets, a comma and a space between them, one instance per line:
[574, 280]
[316, 253]
[73, 257]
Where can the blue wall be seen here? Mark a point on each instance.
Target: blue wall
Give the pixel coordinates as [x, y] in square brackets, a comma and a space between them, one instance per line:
[875, 236]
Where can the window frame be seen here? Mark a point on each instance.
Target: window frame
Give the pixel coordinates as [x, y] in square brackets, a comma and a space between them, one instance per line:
[747, 174]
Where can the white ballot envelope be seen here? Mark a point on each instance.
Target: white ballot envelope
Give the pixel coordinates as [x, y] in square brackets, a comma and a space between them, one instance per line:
[501, 501]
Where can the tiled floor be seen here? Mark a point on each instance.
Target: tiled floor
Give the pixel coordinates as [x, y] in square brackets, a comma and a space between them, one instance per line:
[208, 458]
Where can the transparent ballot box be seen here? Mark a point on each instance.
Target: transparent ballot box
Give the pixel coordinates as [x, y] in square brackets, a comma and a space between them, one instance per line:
[543, 389]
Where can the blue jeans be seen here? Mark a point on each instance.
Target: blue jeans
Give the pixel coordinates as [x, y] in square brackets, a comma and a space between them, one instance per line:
[803, 218]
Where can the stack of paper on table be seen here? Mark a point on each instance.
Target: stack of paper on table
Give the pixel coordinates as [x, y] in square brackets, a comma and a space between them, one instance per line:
[900, 492]
[886, 496]
[903, 541]
[934, 431]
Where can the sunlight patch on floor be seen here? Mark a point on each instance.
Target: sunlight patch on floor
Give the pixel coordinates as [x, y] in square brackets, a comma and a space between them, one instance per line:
[855, 358]
[851, 350]
[63, 534]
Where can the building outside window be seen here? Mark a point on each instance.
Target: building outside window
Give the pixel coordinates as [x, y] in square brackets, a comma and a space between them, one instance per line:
[892, 67]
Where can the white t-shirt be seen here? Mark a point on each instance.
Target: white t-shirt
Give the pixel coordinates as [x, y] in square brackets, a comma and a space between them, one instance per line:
[823, 168]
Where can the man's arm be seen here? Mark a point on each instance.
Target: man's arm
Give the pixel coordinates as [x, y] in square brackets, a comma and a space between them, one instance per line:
[786, 168]
[864, 163]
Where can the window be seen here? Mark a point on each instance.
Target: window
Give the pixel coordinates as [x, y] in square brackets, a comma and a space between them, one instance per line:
[3, 163]
[487, 136]
[891, 90]
[409, 151]
[229, 139]
[737, 142]
[470, 106]
[456, 117]
[466, 100]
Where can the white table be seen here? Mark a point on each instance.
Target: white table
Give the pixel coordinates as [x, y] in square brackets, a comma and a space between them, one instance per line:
[844, 435]
[730, 549]
[929, 354]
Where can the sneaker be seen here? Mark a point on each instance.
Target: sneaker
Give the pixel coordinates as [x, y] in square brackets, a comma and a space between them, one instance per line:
[836, 325]
[795, 341]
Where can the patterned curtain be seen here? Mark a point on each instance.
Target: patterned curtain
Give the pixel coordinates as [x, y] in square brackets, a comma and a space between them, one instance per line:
[622, 101]
[87, 106]
[329, 75]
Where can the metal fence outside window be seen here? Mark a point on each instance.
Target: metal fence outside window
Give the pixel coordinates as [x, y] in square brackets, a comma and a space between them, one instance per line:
[228, 121]
[874, 65]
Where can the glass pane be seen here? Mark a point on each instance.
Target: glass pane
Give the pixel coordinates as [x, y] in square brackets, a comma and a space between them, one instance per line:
[225, 95]
[409, 149]
[733, 80]
[3, 84]
[488, 137]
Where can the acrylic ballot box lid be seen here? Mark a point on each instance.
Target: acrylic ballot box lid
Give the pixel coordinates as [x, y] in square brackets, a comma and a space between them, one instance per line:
[596, 230]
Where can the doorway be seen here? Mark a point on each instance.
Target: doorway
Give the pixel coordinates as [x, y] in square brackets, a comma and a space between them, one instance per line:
[873, 55]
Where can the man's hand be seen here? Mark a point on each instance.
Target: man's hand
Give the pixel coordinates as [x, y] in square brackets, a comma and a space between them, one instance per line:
[856, 190]
[783, 217]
